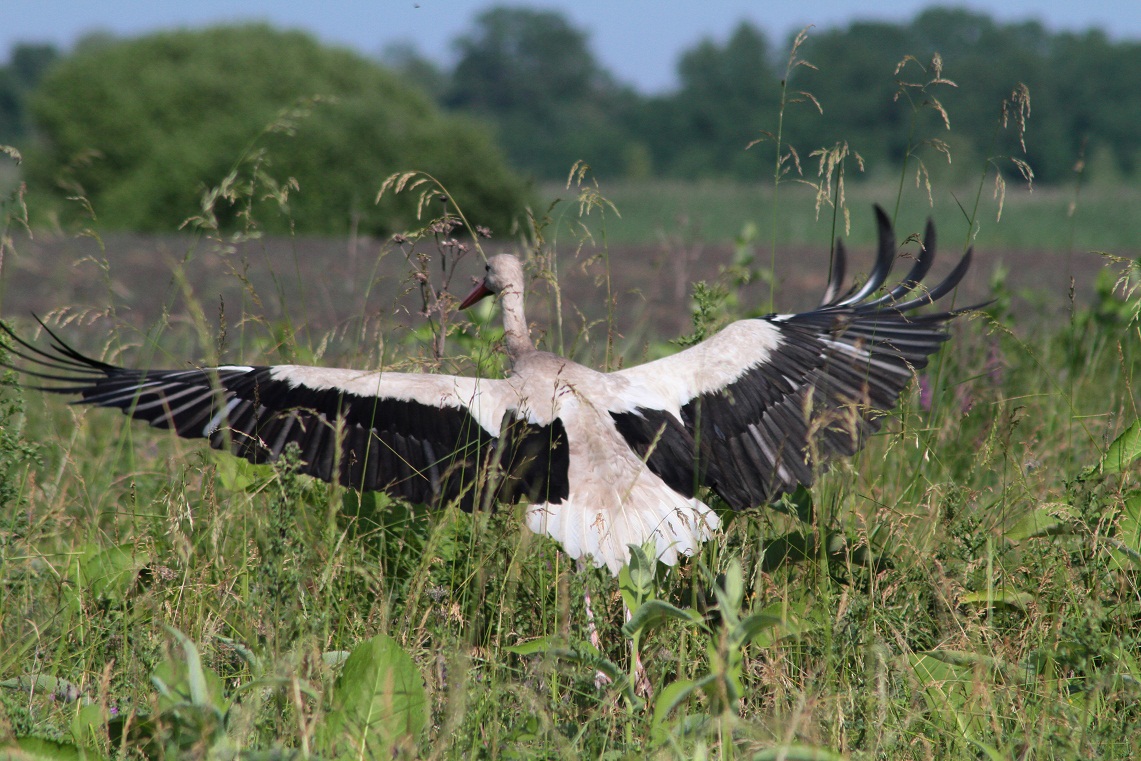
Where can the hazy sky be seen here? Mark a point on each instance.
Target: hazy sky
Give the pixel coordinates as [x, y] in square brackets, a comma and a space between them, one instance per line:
[637, 40]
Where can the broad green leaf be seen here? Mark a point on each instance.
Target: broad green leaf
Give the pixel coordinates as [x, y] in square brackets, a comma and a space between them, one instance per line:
[249, 656]
[534, 646]
[173, 684]
[188, 682]
[948, 687]
[1041, 521]
[378, 702]
[730, 593]
[1125, 543]
[37, 749]
[1123, 451]
[1129, 527]
[641, 563]
[793, 547]
[969, 662]
[794, 620]
[1007, 597]
[947, 665]
[1127, 558]
[960, 658]
[993, 753]
[237, 475]
[652, 612]
[369, 505]
[672, 695]
[636, 579]
[751, 626]
[734, 587]
[627, 590]
[195, 677]
[89, 725]
[108, 573]
[616, 675]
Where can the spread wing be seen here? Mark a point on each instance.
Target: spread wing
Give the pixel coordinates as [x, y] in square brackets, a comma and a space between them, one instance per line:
[426, 438]
[765, 404]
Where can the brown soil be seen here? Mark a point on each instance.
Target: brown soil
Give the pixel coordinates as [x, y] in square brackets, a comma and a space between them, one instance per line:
[318, 283]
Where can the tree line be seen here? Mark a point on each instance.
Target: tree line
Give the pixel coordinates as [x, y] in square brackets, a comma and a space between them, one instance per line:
[533, 75]
[144, 126]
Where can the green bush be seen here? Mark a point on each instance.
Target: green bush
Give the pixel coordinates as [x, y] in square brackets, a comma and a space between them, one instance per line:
[142, 128]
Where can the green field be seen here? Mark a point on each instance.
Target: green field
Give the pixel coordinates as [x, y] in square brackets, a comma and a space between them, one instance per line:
[966, 587]
[1103, 217]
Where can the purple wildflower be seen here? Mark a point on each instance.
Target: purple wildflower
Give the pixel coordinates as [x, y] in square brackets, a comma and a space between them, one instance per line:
[925, 392]
[966, 399]
[995, 366]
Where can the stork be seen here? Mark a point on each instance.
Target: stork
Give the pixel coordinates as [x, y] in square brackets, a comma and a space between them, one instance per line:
[602, 460]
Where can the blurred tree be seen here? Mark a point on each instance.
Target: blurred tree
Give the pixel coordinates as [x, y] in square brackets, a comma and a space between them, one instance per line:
[729, 93]
[406, 61]
[1085, 91]
[522, 58]
[22, 74]
[142, 127]
[856, 84]
[1097, 84]
[535, 76]
[986, 60]
[11, 108]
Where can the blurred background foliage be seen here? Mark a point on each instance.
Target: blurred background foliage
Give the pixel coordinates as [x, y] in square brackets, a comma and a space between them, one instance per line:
[141, 127]
[144, 128]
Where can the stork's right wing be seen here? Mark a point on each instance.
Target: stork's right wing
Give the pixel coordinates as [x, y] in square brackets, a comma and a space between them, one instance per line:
[426, 438]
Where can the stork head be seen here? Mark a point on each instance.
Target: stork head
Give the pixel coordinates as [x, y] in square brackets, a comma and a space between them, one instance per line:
[504, 273]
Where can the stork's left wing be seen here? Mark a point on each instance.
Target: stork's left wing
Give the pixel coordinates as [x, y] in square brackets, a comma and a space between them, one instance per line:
[765, 404]
[426, 438]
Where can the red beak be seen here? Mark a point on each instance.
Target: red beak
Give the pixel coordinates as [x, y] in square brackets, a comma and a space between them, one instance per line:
[481, 291]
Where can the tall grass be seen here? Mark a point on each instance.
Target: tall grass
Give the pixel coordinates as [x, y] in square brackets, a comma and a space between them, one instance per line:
[967, 587]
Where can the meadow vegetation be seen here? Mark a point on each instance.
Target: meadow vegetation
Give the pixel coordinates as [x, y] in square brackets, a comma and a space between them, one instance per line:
[965, 587]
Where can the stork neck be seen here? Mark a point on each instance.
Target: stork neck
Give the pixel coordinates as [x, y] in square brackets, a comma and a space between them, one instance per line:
[515, 323]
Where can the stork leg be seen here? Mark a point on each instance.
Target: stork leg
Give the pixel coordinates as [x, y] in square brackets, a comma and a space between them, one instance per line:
[642, 686]
[600, 679]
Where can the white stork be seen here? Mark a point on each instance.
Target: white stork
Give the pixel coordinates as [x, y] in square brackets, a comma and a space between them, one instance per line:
[604, 460]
